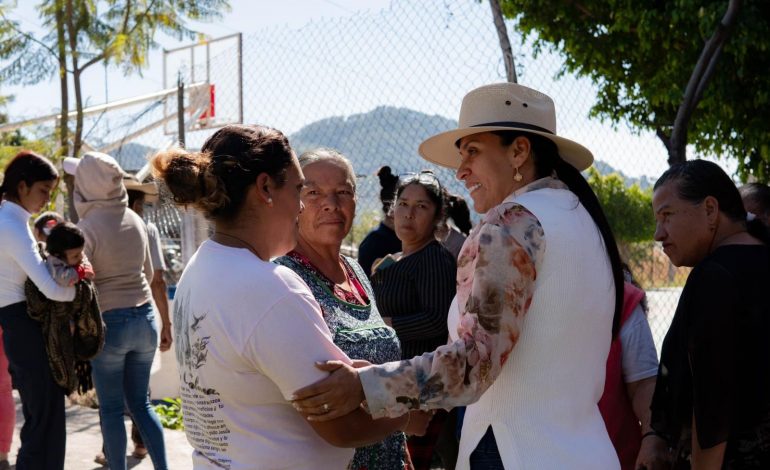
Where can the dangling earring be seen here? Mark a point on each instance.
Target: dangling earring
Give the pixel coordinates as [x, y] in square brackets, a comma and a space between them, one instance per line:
[517, 177]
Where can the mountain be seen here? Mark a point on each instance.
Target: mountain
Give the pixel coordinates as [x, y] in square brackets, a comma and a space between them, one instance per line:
[605, 168]
[383, 136]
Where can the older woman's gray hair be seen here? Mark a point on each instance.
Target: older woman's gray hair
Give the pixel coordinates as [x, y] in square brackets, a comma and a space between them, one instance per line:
[323, 154]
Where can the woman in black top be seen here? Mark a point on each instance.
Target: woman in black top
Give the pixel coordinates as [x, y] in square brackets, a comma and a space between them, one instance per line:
[414, 289]
[712, 399]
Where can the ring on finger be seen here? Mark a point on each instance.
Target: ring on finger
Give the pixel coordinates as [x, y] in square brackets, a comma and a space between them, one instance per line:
[326, 407]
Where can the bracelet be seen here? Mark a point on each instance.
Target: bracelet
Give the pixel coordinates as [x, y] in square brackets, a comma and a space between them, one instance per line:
[651, 433]
[408, 418]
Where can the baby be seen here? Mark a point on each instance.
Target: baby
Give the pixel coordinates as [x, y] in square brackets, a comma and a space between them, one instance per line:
[66, 261]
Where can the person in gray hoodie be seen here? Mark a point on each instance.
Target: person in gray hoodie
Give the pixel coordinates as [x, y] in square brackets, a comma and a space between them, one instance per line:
[116, 244]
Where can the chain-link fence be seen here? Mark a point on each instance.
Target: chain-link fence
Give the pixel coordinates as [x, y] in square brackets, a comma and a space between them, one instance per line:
[373, 86]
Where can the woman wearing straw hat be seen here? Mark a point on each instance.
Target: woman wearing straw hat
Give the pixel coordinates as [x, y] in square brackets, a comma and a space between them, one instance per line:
[539, 288]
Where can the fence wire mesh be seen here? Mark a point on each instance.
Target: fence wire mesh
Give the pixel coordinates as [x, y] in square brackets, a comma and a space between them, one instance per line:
[373, 86]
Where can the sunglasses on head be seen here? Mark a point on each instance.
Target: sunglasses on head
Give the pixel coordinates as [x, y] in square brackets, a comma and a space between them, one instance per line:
[425, 177]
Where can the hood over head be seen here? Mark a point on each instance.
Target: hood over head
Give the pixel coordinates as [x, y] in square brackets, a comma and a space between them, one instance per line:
[99, 183]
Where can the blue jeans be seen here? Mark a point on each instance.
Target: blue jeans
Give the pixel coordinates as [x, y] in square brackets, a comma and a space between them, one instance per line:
[121, 374]
[486, 456]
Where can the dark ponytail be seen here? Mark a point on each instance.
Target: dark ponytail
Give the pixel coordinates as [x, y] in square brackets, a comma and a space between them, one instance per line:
[458, 211]
[388, 183]
[578, 185]
[547, 162]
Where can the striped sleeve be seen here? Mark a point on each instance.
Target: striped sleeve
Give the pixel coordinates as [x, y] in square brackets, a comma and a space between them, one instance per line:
[435, 285]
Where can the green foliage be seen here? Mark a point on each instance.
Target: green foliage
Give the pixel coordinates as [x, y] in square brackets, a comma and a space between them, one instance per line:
[170, 413]
[628, 209]
[9, 151]
[12, 143]
[641, 56]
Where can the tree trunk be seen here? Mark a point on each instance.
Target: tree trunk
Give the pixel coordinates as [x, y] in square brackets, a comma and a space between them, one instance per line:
[704, 70]
[62, 16]
[72, 34]
[77, 141]
[61, 42]
[505, 43]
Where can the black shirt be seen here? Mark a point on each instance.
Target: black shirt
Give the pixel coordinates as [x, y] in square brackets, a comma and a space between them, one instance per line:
[376, 244]
[715, 361]
[416, 293]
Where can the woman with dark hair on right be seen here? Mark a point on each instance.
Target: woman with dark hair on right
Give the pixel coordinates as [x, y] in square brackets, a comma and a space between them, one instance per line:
[248, 331]
[382, 240]
[712, 398]
[539, 293]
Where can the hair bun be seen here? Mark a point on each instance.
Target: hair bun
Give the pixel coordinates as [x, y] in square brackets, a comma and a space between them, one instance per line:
[183, 173]
[387, 179]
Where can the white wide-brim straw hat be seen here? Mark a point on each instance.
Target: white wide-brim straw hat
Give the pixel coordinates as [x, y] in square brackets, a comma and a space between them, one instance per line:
[150, 189]
[503, 107]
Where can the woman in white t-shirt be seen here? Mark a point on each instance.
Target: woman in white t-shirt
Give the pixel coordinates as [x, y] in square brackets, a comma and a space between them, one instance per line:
[249, 331]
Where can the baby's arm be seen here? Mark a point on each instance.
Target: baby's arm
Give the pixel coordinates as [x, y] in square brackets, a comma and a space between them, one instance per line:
[62, 273]
[85, 270]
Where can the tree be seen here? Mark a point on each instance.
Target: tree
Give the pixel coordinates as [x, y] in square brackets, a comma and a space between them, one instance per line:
[82, 33]
[505, 43]
[628, 209]
[691, 71]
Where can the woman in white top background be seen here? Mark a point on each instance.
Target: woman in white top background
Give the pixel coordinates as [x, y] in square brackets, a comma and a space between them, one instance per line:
[27, 184]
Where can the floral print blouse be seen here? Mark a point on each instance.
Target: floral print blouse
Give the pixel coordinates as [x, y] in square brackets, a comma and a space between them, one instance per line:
[496, 274]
